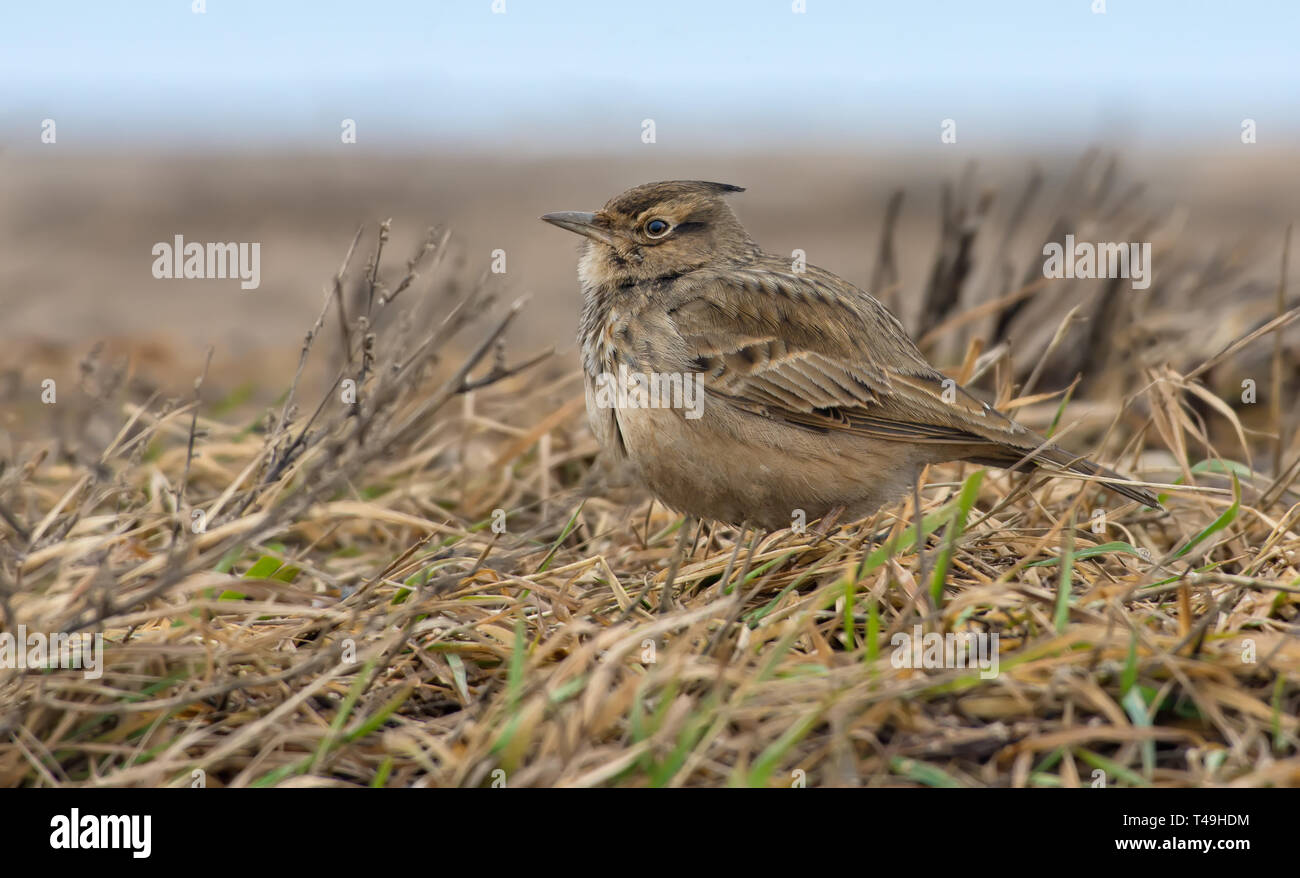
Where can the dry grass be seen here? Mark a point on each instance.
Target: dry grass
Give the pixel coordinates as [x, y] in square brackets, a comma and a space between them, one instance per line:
[348, 615]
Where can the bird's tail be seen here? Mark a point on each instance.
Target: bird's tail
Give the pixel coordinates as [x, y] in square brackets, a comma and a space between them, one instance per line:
[1046, 457]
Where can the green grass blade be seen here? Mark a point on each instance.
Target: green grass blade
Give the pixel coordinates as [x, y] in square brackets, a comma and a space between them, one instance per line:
[564, 534]
[1092, 552]
[1229, 515]
[923, 773]
[1067, 575]
[956, 525]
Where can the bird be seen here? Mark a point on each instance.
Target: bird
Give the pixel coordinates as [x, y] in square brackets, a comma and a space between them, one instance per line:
[812, 400]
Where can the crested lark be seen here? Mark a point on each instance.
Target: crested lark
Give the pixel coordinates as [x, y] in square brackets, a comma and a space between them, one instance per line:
[814, 397]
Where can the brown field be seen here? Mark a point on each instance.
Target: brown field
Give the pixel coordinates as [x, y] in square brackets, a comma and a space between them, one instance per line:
[347, 615]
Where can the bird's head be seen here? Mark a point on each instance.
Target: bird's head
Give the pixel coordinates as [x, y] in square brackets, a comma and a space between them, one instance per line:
[657, 230]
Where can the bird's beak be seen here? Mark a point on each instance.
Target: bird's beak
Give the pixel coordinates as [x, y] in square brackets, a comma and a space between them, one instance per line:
[580, 222]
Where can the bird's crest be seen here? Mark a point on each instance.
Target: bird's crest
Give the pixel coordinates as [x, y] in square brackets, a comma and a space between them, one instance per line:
[648, 195]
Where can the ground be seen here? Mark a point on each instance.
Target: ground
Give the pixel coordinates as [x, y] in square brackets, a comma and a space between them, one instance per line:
[429, 577]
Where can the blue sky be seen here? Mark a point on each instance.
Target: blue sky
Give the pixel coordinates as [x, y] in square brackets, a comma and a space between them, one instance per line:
[582, 75]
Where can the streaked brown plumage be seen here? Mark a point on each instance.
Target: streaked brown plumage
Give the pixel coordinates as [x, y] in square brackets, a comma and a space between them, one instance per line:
[814, 396]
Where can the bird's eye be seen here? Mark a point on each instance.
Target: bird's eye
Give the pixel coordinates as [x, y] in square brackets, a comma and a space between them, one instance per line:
[656, 228]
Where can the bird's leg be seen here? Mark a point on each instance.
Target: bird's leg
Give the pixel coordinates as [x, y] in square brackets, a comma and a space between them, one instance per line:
[738, 602]
[731, 562]
[921, 584]
[828, 521]
[688, 525]
[744, 571]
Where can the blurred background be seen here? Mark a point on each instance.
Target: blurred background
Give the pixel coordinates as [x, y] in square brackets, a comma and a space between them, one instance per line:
[923, 150]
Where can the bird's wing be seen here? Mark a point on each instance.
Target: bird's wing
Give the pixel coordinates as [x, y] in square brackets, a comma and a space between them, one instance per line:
[815, 352]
